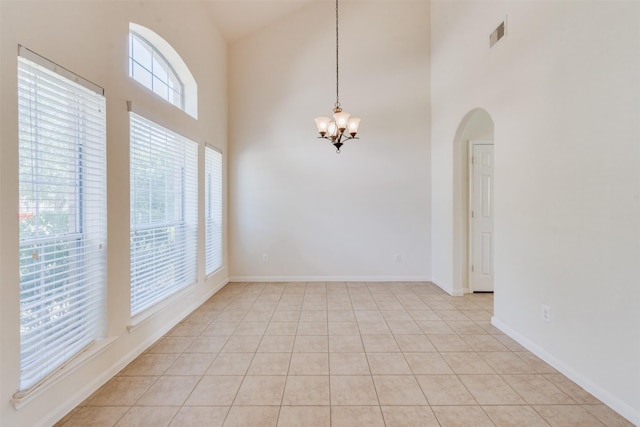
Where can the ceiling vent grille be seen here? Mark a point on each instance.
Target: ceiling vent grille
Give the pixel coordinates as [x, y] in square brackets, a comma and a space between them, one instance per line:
[497, 34]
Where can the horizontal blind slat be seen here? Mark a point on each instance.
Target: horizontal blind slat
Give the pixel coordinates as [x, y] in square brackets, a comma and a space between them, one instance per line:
[163, 217]
[62, 145]
[213, 210]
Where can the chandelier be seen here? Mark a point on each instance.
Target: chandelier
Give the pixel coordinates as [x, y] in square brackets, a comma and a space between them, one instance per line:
[343, 127]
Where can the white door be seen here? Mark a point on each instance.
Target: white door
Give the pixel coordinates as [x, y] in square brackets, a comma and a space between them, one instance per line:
[481, 227]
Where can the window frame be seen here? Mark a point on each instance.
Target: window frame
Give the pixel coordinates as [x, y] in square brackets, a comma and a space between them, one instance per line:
[155, 52]
[189, 82]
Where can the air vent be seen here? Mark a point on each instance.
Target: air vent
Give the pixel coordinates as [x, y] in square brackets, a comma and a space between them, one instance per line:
[497, 34]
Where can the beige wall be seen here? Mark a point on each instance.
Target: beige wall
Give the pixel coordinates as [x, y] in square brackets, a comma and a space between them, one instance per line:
[90, 38]
[562, 89]
[321, 215]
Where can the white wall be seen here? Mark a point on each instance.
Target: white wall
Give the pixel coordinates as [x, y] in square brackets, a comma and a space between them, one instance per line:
[563, 91]
[90, 38]
[321, 215]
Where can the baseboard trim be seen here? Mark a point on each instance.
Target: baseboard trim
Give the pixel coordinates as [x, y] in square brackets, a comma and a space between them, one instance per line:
[102, 379]
[447, 289]
[329, 279]
[601, 394]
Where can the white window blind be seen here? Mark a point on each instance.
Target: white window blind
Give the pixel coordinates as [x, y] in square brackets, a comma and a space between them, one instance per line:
[62, 216]
[213, 209]
[164, 202]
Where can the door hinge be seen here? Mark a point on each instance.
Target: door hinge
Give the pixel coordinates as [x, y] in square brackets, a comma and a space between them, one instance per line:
[473, 268]
[473, 159]
[473, 214]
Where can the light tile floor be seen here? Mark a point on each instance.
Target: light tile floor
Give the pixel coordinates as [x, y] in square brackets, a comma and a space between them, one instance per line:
[339, 354]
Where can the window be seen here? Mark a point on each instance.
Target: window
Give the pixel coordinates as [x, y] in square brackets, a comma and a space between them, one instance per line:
[62, 215]
[164, 205]
[213, 208]
[149, 67]
[155, 64]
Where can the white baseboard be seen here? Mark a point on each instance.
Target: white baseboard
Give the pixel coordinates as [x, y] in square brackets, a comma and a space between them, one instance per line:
[447, 288]
[622, 408]
[105, 376]
[329, 279]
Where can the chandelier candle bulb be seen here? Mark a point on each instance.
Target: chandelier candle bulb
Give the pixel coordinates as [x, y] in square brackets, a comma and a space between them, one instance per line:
[342, 118]
[322, 123]
[333, 130]
[354, 124]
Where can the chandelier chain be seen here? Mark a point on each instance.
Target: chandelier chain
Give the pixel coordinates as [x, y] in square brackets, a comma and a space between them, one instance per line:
[337, 61]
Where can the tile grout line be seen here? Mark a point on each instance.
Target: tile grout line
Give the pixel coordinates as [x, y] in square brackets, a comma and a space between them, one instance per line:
[375, 387]
[246, 298]
[243, 377]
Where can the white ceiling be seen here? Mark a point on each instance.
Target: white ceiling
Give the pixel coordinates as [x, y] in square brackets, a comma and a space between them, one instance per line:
[239, 18]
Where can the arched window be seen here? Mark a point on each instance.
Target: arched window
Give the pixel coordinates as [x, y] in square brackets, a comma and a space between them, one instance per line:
[157, 66]
[149, 67]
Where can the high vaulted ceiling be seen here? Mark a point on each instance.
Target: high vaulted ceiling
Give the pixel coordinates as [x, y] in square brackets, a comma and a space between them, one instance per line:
[239, 18]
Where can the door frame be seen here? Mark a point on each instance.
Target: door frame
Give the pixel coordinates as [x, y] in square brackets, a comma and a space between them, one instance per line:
[470, 145]
[477, 124]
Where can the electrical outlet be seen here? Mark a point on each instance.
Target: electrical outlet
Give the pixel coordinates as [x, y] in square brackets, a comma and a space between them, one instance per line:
[546, 313]
[397, 257]
[265, 257]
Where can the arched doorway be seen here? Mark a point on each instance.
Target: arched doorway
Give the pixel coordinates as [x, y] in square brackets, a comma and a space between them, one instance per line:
[476, 127]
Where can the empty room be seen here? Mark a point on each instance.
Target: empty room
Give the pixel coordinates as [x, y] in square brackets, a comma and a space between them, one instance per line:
[319, 213]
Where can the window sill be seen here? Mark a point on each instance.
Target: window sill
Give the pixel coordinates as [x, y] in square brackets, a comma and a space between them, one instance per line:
[22, 398]
[150, 312]
[214, 272]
